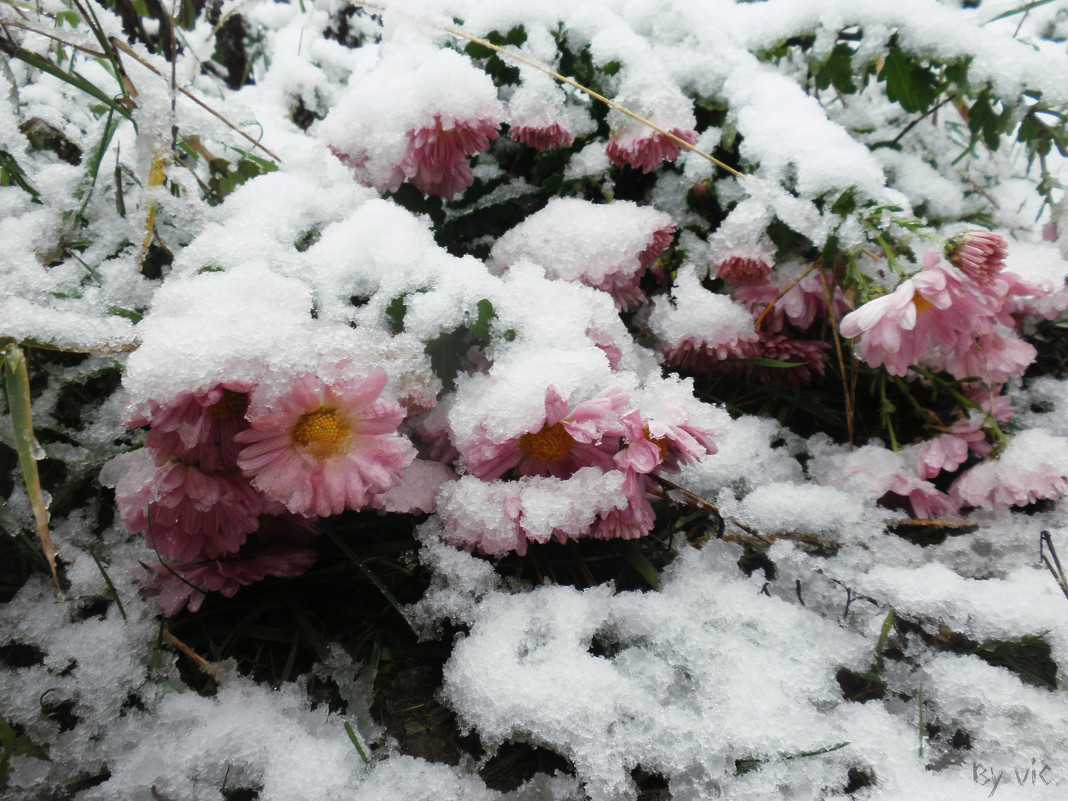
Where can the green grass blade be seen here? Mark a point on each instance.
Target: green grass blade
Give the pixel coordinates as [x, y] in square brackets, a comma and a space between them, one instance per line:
[382, 588]
[17, 386]
[359, 749]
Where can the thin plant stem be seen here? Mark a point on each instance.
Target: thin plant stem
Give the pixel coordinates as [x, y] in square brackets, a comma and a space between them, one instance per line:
[782, 294]
[829, 294]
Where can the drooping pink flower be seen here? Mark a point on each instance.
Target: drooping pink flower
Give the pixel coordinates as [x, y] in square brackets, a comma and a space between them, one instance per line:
[656, 444]
[943, 453]
[436, 159]
[275, 549]
[922, 499]
[608, 246]
[980, 255]
[559, 445]
[552, 136]
[197, 427]
[1033, 466]
[933, 307]
[993, 357]
[807, 356]
[320, 448]
[646, 148]
[741, 269]
[187, 514]
[632, 521]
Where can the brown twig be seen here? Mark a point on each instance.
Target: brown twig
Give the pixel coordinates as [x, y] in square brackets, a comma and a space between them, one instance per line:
[196, 658]
[801, 277]
[829, 294]
[708, 505]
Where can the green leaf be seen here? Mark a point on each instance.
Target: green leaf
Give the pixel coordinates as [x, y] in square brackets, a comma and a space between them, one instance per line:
[761, 361]
[912, 86]
[1019, 10]
[837, 70]
[395, 311]
[480, 327]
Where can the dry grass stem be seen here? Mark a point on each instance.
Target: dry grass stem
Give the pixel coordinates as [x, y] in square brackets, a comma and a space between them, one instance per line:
[782, 294]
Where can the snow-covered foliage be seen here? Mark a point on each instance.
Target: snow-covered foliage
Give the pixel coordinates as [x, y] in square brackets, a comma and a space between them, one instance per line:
[684, 384]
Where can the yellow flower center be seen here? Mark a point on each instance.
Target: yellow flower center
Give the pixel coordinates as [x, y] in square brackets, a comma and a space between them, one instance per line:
[660, 442]
[230, 405]
[321, 433]
[548, 445]
[921, 303]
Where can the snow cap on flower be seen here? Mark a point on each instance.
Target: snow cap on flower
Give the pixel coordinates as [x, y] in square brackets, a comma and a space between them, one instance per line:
[697, 328]
[608, 246]
[537, 115]
[319, 447]
[417, 115]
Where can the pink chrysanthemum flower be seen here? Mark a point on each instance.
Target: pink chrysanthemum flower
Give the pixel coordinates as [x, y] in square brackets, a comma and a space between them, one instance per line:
[197, 427]
[1033, 466]
[656, 445]
[993, 358]
[608, 246]
[274, 550]
[980, 255]
[917, 497]
[418, 489]
[559, 445]
[320, 448]
[551, 136]
[807, 356]
[436, 159]
[187, 514]
[646, 148]
[944, 453]
[634, 520]
[739, 269]
[933, 307]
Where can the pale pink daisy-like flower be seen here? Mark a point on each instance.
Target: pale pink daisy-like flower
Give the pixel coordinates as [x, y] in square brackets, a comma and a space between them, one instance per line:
[187, 514]
[933, 307]
[943, 453]
[1033, 466]
[436, 159]
[559, 445]
[319, 448]
[980, 255]
[740, 269]
[645, 148]
[802, 304]
[198, 426]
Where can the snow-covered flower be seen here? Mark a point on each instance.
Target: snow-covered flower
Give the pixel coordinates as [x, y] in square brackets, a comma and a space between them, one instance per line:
[980, 255]
[558, 445]
[635, 519]
[645, 148]
[550, 136]
[1033, 466]
[197, 427]
[417, 116]
[655, 444]
[537, 114]
[319, 448]
[920, 498]
[608, 246]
